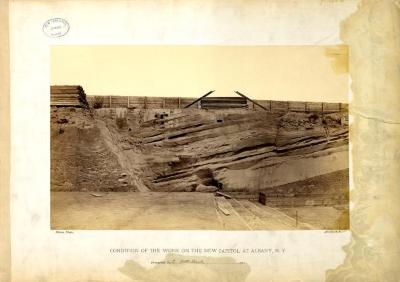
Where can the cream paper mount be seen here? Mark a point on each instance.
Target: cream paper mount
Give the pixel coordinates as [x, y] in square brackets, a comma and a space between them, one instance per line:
[367, 252]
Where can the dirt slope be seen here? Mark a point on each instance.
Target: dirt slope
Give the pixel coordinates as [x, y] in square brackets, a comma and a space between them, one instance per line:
[81, 160]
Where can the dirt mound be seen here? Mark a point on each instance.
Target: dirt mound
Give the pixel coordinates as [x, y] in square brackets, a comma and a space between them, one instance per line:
[80, 159]
[304, 121]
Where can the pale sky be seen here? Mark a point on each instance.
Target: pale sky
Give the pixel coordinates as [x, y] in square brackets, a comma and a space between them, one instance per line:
[298, 73]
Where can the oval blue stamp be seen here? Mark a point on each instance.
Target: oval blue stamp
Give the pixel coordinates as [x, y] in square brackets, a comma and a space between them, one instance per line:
[56, 27]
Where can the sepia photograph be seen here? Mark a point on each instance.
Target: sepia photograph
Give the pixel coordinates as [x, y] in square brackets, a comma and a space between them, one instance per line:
[199, 137]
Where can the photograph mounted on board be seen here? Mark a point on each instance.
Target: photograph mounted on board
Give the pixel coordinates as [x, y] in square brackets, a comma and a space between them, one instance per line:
[199, 137]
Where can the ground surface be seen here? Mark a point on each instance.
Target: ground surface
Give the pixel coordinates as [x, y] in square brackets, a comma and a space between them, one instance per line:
[177, 210]
[127, 210]
[336, 217]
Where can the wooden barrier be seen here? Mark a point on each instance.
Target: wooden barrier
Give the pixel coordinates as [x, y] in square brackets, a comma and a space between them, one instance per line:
[223, 102]
[143, 102]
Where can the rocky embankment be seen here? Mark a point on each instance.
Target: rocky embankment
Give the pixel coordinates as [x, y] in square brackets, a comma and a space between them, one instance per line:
[193, 150]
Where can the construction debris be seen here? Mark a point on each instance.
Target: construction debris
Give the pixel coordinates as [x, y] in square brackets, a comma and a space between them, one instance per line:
[223, 205]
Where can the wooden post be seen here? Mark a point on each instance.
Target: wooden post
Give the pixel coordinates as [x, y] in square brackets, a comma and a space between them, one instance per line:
[110, 101]
[179, 103]
[258, 104]
[128, 102]
[198, 99]
[163, 103]
[305, 106]
[145, 103]
[270, 105]
[322, 107]
[288, 105]
[340, 107]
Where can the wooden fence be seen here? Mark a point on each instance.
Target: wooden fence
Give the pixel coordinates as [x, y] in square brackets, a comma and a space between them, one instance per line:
[142, 102]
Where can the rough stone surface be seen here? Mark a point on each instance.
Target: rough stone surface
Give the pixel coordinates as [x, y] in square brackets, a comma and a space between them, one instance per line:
[206, 188]
[248, 151]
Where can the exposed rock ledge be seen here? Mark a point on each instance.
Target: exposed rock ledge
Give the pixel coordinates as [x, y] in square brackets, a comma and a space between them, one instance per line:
[236, 150]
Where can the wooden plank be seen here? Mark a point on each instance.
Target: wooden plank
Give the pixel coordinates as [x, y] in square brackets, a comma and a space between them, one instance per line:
[279, 105]
[222, 101]
[296, 106]
[66, 102]
[223, 206]
[65, 86]
[223, 194]
[332, 107]
[72, 90]
[223, 105]
[67, 98]
[67, 92]
[64, 96]
[225, 97]
[313, 106]
[66, 105]
[219, 99]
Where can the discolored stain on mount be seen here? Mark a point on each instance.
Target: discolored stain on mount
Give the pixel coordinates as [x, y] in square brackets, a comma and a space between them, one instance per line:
[176, 267]
[339, 58]
[372, 36]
